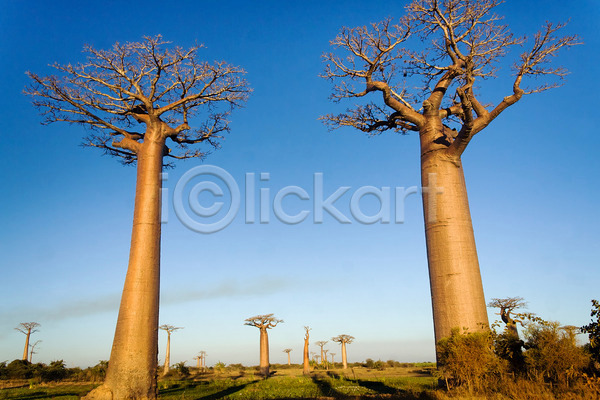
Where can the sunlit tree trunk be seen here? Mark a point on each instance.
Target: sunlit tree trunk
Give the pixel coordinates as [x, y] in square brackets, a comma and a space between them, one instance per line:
[168, 354]
[456, 288]
[305, 359]
[264, 352]
[26, 351]
[344, 362]
[135, 345]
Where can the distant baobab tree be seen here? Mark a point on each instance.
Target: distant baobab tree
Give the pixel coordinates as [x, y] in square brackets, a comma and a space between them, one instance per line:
[510, 346]
[332, 354]
[169, 329]
[507, 307]
[434, 89]
[343, 340]
[32, 349]
[263, 322]
[305, 359]
[288, 351]
[27, 328]
[165, 90]
[324, 358]
[198, 358]
[321, 343]
[202, 355]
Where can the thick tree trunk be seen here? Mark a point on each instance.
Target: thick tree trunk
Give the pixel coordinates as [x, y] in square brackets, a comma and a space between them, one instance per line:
[168, 355]
[26, 351]
[289, 359]
[305, 359]
[344, 360]
[264, 352]
[456, 288]
[132, 367]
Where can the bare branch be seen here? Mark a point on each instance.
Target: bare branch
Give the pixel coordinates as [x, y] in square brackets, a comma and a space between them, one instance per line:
[147, 82]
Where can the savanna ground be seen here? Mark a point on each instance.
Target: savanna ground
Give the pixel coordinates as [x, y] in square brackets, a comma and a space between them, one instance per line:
[416, 381]
[413, 382]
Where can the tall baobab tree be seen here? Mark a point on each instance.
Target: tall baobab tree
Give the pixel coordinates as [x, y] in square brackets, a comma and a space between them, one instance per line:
[321, 343]
[264, 322]
[27, 328]
[324, 359]
[305, 359]
[288, 351]
[332, 362]
[461, 44]
[198, 358]
[165, 90]
[32, 349]
[343, 340]
[169, 329]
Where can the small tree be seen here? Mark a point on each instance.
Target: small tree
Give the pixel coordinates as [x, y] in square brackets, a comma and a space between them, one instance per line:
[593, 331]
[322, 343]
[169, 329]
[432, 87]
[305, 353]
[164, 90]
[32, 349]
[343, 340]
[288, 351]
[332, 361]
[264, 322]
[27, 328]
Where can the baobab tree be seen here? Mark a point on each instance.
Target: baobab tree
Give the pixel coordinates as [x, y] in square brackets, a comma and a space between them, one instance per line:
[264, 322]
[324, 358]
[202, 355]
[305, 359]
[332, 362]
[27, 328]
[509, 345]
[507, 307]
[288, 351]
[165, 90]
[169, 329]
[32, 349]
[343, 340]
[458, 45]
[321, 343]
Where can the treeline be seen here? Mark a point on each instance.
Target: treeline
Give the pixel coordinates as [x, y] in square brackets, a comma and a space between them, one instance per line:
[53, 372]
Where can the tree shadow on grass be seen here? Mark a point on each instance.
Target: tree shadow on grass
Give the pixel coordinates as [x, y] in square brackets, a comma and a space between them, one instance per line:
[389, 392]
[326, 388]
[45, 395]
[180, 389]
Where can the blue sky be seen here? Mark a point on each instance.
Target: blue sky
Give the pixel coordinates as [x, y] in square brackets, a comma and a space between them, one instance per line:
[531, 176]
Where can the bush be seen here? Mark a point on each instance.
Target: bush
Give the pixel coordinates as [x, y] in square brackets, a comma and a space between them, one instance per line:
[469, 360]
[552, 353]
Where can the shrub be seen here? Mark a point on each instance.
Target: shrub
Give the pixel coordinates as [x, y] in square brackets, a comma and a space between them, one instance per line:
[552, 353]
[469, 360]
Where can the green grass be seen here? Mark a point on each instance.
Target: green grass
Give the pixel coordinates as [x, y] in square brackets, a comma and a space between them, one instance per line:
[62, 392]
[288, 385]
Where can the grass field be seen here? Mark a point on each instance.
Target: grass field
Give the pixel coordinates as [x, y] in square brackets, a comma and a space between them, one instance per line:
[392, 383]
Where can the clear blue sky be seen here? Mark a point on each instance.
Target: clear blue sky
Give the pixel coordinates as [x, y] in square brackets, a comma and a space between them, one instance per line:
[532, 178]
